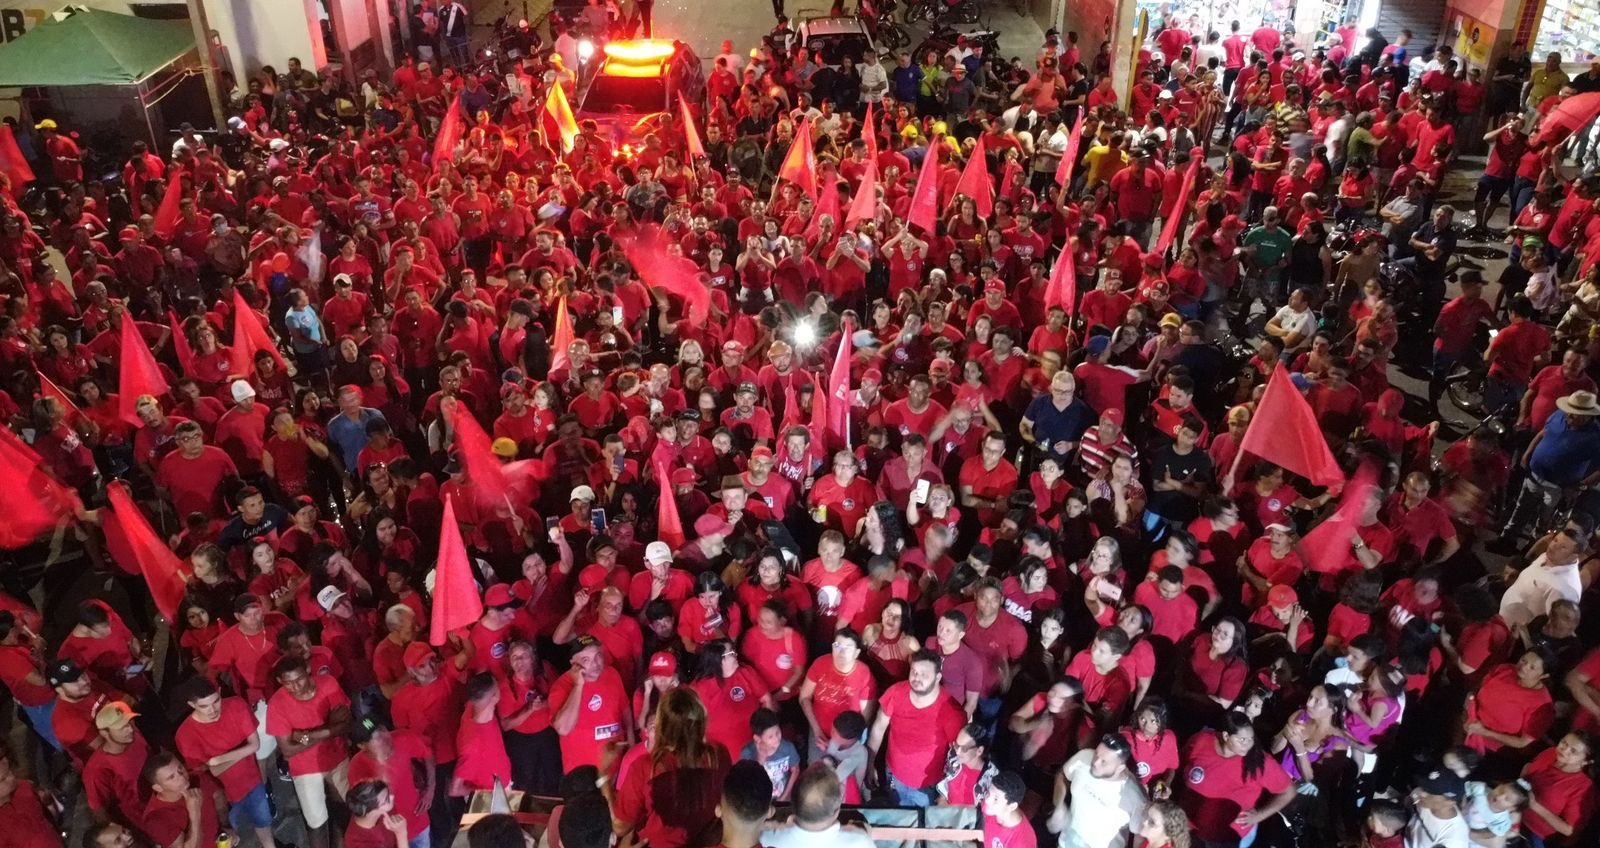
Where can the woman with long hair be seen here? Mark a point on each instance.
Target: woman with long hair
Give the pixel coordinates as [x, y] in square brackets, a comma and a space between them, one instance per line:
[1232, 784]
[524, 712]
[669, 799]
[890, 643]
[711, 615]
[731, 691]
[1560, 783]
[1165, 825]
[1214, 676]
[1155, 747]
[770, 580]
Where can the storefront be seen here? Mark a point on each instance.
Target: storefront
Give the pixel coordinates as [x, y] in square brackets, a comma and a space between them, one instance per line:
[1568, 27]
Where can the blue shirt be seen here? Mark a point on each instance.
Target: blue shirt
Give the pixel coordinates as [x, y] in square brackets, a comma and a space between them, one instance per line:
[349, 437]
[905, 83]
[1566, 454]
[1051, 425]
[306, 321]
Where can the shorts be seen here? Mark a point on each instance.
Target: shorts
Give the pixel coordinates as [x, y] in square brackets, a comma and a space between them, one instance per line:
[253, 810]
[1494, 188]
[312, 790]
[269, 743]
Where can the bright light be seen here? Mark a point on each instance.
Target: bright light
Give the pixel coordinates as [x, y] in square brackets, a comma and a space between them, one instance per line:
[640, 51]
[585, 50]
[805, 333]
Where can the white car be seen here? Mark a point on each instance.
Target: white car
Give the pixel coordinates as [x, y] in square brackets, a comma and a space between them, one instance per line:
[835, 37]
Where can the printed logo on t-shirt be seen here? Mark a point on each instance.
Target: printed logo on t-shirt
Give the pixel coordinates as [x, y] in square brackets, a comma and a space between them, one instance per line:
[595, 701]
[1274, 505]
[497, 650]
[737, 694]
[1197, 775]
[785, 661]
[1143, 770]
[828, 598]
[849, 503]
[602, 732]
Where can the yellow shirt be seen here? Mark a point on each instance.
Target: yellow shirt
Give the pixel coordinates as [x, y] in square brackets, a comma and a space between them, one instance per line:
[1100, 164]
[1545, 82]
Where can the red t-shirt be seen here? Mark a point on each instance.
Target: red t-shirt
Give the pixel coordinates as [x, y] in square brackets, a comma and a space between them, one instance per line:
[111, 782]
[248, 659]
[1215, 789]
[1172, 619]
[16, 663]
[1570, 795]
[1516, 347]
[193, 482]
[774, 659]
[671, 806]
[165, 822]
[432, 712]
[1107, 691]
[26, 825]
[198, 743]
[834, 693]
[600, 718]
[483, 753]
[1506, 706]
[1152, 757]
[919, 736]
[397, 773]
[286, 714]
[733, 701]
[997, 835]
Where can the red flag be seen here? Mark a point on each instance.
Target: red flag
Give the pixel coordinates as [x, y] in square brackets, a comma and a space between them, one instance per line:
[558, 118]
[1069, 157]
[1008, 180]
[925, 197]
[1169, 227]
[48, 388]
[669, 526]
[139, 375]
[456, 602]
[1326, 549]
[865, 204]
[647, 252]
[167, 213]
[248, 338]
[791, 408]
[975, 182]
[451, 130]
[800, 165]
[561, 337]
[162, 570]
[691, 134]
[838, 402]
[180, 343]
[43, 501]
[1063, 288]
[827, 205]
[1284, 431]
[870, 133]
[483, 468]
[12, 163]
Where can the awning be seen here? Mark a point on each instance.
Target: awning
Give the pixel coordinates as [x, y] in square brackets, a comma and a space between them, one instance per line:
[79, 46]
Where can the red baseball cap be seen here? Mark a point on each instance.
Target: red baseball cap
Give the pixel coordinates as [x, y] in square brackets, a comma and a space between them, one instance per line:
[417, 653]
[499, 595]
[663, 664]
[1282, 597]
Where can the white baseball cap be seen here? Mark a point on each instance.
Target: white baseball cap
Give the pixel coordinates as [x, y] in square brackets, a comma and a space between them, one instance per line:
[657, 553]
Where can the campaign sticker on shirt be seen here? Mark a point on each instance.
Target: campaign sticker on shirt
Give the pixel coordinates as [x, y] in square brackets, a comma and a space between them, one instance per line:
[497, 650]
[1143, 770]
[602, 732]
[849, 503]
[1197, 775]
[828, 598]
[785, 661]
[737, 694]
[595, 701]
[1274, 505]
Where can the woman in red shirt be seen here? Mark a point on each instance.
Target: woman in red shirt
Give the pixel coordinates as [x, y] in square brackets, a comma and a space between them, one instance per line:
[670, 798]
[1155, 746]
[731, 691]
[770, 581]
[1215, 674]
[1513, 708]
[710, 615]
[1226, 773]
[775, 650]
[1562, 791]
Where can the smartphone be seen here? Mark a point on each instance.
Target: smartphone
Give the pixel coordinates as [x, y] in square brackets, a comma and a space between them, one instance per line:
[921, 493]
[551, 524]
[597, 520]
[136, 668]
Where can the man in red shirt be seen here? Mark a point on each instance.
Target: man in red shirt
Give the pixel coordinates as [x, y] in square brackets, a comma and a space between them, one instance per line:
[192, 473]
[394, 757]
[1454, 329]
[916, 412]
[1512, 356]
[919, 722]
[590, 709]
[219, 740]
[1137, 189]
[111, 781]
[988, 479]
[1418, 520]
[840, 500]
[309, 716]
[1552, 383]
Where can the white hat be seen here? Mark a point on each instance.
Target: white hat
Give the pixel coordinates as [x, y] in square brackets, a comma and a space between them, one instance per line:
[1166, 94]
[278, 145]
[657, 553]
[242, 391]
[582, 493]
[329, 596]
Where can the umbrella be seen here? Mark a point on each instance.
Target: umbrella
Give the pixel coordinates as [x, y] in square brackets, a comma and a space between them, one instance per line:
[1569, 116]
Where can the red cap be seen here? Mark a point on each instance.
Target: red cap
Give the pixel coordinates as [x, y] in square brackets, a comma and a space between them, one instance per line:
[1282, 597]
[761, 451]
[128, 233]
[710, 525]
[995, 284]
[417, 653]
[683, 477]
[663, 664]
[1233, 222]
[1152, 260]
[872, 375]
[1112, 415]
[940, 366]
[499, 595]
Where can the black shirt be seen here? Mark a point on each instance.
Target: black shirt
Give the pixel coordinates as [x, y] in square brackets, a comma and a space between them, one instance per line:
[1429, 234]
[1194, 466]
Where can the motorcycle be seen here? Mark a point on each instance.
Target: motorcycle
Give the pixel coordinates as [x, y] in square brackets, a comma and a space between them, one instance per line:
[941, 11]
[878, 18]
[943, 37]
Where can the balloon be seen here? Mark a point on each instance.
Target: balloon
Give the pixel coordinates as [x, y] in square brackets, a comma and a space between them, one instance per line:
[280, 263]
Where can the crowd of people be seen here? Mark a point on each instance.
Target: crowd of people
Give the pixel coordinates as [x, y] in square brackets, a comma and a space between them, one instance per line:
[955, 516]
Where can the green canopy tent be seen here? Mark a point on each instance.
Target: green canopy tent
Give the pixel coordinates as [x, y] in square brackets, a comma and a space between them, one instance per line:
[100, 69]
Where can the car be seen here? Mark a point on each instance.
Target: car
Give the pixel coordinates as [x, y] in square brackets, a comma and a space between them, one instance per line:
[631, 82]
[836, 37]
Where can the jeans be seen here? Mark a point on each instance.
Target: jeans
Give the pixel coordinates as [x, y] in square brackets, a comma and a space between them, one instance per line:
[39, 720]
[421, 840]
[909, 796]
[252, 811]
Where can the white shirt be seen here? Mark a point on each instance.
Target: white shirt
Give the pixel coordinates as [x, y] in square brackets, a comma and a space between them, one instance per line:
[1426, 831]
[1538, 587]
[734, 60]
[1103, 811]
[1304, 323]
[792, 836]
[874, 79]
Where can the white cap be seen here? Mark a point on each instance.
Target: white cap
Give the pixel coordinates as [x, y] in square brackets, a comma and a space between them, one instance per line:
[242, 391]
[1165, 94]
[329, 596]
[581, 493]
[657, 553]
[278, 145]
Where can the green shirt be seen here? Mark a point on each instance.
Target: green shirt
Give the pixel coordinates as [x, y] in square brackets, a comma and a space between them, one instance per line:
[1271, 246]
[933, 77]
[1362, 145]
